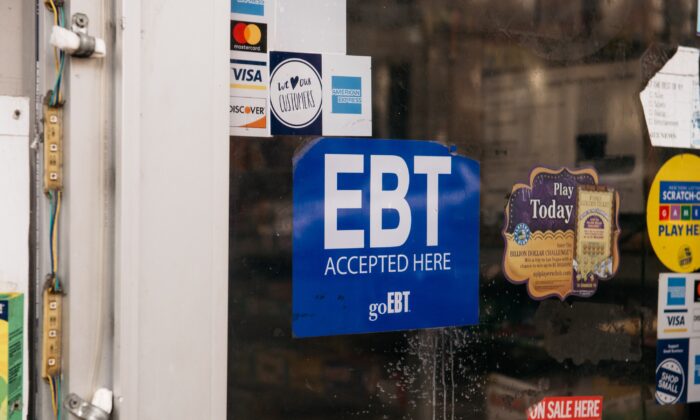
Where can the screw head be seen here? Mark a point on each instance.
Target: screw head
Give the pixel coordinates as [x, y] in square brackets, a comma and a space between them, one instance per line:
[16, 114]
[81, 20]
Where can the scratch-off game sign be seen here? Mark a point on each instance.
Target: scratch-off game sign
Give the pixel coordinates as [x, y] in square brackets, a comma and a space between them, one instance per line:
[673, 213]
[561, 233]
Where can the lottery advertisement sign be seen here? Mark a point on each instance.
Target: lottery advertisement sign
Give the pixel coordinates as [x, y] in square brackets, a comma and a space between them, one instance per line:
[673, 214]
[561, 233]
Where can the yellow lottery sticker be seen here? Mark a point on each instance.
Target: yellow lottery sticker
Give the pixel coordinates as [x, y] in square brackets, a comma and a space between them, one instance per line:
[673, 213]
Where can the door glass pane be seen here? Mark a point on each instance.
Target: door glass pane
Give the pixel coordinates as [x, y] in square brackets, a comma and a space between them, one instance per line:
[513, 84]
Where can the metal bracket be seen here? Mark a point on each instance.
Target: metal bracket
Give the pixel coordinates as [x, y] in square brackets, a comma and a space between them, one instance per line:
[87, 46]
[79, 26]
[83, 409]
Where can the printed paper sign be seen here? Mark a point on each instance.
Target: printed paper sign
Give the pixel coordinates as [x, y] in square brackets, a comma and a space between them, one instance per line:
[678, 333]
[385, 237]
[673, 213]
[561, 233]
[320, 94]
[671, 102]
[572, 408]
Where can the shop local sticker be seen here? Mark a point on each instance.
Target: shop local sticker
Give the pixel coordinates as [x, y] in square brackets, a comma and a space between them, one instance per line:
[561, 233]
[671, 369]
[673, 214]
[579, 408]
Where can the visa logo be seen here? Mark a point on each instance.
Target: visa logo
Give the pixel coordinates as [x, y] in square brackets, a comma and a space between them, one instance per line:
[676, 320]
[247, 75]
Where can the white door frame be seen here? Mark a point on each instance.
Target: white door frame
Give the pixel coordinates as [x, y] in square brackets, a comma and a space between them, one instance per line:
[144, 225]
[171, 224]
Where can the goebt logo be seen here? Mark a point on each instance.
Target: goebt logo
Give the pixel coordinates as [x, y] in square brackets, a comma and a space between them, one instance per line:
[396, 303]
[380, 199]
[247, 33]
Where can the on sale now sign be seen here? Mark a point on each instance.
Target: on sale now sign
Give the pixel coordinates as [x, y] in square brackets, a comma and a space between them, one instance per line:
[575, 408]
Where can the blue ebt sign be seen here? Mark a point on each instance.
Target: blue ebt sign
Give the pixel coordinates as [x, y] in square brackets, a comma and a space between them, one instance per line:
[386, 237]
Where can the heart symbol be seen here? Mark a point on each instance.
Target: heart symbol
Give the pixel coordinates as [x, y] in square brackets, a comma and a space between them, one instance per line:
[295, 81]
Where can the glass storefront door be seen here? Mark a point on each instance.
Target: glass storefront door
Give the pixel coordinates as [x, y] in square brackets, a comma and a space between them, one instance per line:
[514, 84]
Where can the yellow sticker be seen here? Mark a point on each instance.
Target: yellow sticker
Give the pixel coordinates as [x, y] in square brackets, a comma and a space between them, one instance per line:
[673, 213]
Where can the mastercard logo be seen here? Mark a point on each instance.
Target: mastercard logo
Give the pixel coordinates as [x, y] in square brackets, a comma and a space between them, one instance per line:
[248, 36]
[247, 33]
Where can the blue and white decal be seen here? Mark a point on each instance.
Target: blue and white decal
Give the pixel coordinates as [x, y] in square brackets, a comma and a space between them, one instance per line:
[248, 7]
[671, 368]
[386, 237]
[676, 291]
[347, 95]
